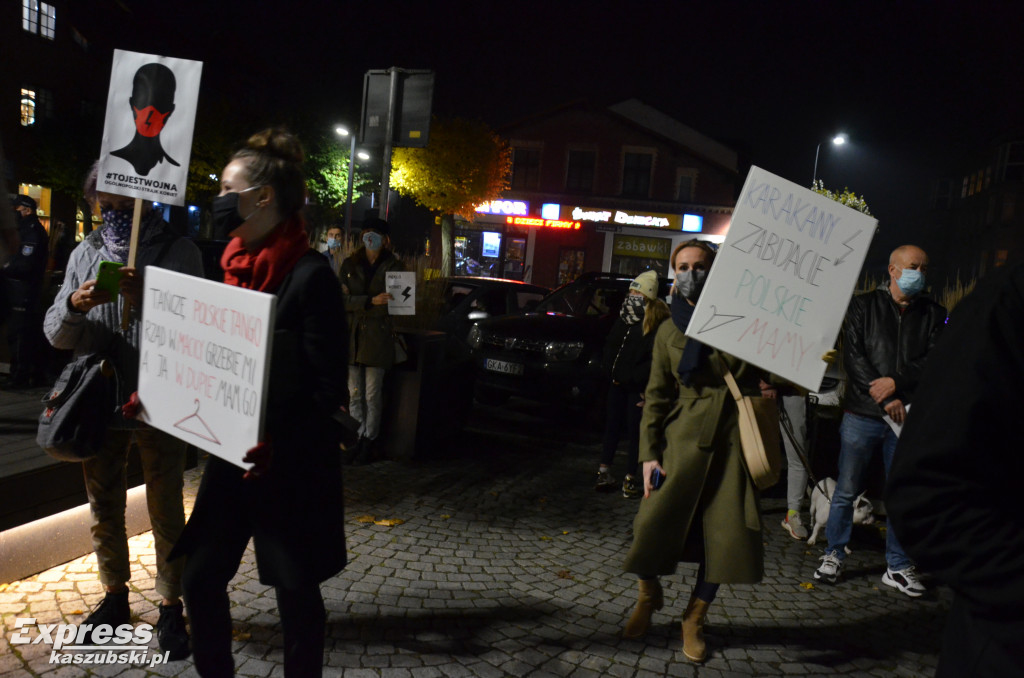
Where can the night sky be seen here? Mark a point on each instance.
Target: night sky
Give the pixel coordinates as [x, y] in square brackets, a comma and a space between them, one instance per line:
[922, 89]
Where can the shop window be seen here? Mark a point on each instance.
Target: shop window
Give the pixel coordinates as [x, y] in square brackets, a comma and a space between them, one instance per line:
[526, 168]
[570, 265]
[579, 171]
[636, 174]
[28, 107]
[39, 18]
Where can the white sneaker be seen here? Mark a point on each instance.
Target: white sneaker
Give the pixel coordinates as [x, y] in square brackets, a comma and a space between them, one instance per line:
[904, 580]
[830, 569]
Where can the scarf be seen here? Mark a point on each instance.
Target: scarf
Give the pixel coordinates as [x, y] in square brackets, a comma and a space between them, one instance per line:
[117, 233]
[264, 269]
[632, 310]
[695, 353]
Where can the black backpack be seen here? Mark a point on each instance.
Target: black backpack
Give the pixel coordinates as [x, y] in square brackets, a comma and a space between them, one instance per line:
[79, 409]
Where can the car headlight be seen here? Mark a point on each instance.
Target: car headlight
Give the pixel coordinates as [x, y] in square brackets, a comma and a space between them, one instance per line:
[563, 350]
[475, 336]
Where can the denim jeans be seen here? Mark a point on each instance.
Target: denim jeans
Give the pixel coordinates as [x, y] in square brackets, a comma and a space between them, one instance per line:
[859, 439]
[366, 398]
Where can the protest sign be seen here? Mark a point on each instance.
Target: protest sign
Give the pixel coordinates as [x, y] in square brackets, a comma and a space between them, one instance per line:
[147, 132]
[782, 280]
[401, 285]
[204, 355]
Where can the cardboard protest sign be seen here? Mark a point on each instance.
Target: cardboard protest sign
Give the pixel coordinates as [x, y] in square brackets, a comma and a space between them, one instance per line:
[203, 361]
[401, 285]
[782, 280]
[147, 133]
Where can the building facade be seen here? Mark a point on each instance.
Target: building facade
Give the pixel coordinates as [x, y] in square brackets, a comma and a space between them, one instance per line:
[600, 189]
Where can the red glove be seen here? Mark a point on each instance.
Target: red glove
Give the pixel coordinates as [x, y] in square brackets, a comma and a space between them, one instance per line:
[131, 409]
[259, 457]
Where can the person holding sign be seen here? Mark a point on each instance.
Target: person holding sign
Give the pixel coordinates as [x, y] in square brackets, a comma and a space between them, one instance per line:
[371, 349]
[291, 501]
[699, 503]
[87, 319]
[887, 337]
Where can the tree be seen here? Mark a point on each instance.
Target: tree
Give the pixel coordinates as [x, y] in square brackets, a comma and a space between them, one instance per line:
[847, 197]
[464, 164]
[327, 176]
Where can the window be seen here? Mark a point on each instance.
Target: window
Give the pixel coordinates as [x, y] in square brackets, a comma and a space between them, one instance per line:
[1014, 170]
[28, 107]
[636, 174]
[36, 104]
[38, 17]
[579, 174]
[525, 168]
[686, 179]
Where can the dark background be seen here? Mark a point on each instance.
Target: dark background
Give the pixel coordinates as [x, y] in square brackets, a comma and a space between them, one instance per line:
[923, 90]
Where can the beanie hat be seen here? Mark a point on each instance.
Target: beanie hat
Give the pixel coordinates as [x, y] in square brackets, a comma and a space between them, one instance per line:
[646, 284]
[376, 224]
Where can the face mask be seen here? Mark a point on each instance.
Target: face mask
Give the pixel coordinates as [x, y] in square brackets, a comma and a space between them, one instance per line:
[117, 232]
[224, 210]
[690, 283]
[148, 121]
[632, 309]
[373, 241]
[118, 220]
[910, 282]
[333, 243]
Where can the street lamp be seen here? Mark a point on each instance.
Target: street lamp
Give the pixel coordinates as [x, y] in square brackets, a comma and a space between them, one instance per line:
[837, 140]
[345, 132]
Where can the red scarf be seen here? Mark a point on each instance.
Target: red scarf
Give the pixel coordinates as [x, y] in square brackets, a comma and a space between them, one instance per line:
[264, 269]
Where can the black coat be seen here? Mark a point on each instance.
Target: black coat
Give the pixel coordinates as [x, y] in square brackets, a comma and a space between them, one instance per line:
[627, 355]
[953, 489]
[23, 274]
[295, 511]
[879, 341]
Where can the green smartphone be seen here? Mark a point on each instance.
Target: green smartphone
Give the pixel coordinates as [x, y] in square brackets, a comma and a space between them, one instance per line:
[108, 277]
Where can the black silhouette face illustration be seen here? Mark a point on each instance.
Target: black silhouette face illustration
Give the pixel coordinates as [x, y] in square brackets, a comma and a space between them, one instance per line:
[152, 103]
[152, 98]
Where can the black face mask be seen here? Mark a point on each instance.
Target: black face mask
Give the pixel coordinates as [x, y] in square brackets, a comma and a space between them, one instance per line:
[225, 215]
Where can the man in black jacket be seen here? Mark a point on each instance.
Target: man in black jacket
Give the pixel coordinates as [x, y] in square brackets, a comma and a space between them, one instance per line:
[954, 488]
[22, 282]
[887, 336]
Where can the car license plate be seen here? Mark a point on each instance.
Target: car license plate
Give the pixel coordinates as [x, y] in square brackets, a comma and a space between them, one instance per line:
[503, 367]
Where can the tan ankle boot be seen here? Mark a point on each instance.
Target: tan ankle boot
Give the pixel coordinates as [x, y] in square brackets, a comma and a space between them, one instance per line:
[694, 646]
[650, 599]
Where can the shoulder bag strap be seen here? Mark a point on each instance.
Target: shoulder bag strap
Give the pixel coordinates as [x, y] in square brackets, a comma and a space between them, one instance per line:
[730, 380]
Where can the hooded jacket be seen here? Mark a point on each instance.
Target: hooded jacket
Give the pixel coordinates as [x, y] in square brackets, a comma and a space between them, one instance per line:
[880, 341]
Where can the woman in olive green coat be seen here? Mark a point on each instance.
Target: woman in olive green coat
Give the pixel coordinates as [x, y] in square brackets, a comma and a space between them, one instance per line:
[706, 511]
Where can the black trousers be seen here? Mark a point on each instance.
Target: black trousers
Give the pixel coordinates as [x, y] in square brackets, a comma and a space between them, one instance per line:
[623, 418]
[27, 343]
[208, 570]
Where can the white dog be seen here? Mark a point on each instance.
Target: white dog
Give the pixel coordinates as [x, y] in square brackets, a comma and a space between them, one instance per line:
[821, 499]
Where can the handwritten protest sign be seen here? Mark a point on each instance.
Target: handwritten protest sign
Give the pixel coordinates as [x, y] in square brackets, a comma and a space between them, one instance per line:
[782, 280]
[147, 132]
[203, 364]
[401, 285]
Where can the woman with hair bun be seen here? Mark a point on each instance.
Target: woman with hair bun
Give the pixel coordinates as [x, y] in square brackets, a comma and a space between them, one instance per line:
[290, 501]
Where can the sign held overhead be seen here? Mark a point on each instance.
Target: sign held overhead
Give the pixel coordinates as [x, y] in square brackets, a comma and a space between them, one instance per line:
[782, 280]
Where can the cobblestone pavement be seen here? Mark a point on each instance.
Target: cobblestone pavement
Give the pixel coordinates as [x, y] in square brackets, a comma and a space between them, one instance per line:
[497, 558]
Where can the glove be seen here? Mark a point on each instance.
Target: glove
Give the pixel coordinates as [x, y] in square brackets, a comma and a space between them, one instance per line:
[131, 409]
[259, 457]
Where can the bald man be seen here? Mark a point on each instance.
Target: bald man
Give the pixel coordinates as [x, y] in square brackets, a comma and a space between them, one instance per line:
[887, 337]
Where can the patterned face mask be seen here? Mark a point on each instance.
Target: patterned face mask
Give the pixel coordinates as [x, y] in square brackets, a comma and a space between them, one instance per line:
[117, 232]
[632, 310]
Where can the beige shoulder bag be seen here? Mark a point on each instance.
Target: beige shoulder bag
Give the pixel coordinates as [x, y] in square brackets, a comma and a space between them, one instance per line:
[759, 434]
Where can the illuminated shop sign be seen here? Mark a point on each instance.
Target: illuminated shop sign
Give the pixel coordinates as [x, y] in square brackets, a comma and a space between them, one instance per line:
[544, 223]
[518, 208]
[693, 223]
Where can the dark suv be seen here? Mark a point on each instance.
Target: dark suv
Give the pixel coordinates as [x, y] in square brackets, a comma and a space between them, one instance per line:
[554, 353]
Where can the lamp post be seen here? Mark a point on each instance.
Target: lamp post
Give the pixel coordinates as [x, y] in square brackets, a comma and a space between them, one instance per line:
[837, 140]
[345, 132]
